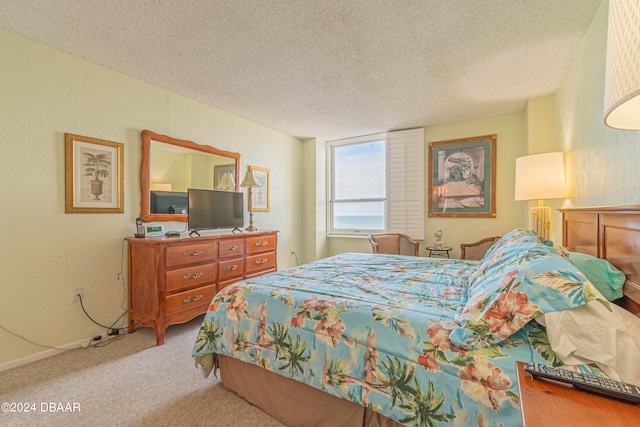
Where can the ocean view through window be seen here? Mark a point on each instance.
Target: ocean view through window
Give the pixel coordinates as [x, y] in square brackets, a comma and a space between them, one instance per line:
[375, 183]
[355, 222]
[358, 185]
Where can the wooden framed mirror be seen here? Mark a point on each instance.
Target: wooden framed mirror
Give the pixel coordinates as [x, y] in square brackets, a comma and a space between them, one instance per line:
[170, 166]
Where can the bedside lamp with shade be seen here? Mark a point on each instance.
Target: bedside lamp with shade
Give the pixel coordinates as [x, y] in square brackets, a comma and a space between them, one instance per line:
[539, 177]
[622, 79]
[249, 182]
[226, 182]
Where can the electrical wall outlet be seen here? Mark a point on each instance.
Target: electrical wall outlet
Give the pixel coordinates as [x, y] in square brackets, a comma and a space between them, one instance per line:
[74, 294]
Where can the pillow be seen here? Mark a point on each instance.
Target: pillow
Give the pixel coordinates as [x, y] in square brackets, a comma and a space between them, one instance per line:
[596, 333]
[604, 276]
[513, 242]
[519, 279]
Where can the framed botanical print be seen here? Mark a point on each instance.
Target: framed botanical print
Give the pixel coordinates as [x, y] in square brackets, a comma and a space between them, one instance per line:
[462, 182]
[260, 197]
[94, 175]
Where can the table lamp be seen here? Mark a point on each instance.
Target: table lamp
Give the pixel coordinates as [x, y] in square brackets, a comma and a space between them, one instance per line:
[249, 182]
[538, 177]
[226, 182]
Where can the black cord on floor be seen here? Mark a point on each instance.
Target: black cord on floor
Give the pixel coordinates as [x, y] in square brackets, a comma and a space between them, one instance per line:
[100, 324]
[99, 341]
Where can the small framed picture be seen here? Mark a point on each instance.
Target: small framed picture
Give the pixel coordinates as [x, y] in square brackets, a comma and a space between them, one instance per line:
[260, 201]
[94, 175]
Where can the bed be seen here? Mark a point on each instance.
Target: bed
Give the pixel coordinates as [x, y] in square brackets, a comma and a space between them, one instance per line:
[368, 339]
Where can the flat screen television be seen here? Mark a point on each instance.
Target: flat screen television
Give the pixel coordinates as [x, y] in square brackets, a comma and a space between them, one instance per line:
[168, 202]
[212, 209]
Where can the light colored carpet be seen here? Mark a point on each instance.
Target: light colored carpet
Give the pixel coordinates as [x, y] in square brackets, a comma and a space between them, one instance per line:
[129, 382]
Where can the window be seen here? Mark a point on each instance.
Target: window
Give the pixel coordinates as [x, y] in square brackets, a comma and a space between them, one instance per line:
[376, 184]
[359, 189]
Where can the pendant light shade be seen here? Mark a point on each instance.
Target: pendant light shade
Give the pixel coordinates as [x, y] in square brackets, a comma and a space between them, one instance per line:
[622, 82]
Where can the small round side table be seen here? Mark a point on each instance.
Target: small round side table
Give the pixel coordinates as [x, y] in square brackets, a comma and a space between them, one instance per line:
[439, 252]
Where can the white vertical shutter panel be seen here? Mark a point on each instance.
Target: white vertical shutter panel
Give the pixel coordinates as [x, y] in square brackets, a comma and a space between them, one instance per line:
[405, 182]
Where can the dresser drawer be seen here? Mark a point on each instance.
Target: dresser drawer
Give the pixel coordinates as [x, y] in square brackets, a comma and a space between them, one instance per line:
[190, 254]
[230, 269]
[190, 277]
[261, 262]
[188, 300]
[231, 248]
[261, 244]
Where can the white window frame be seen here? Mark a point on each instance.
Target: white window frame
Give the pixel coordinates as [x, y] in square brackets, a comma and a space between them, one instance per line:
[405, 177]
[331, 146]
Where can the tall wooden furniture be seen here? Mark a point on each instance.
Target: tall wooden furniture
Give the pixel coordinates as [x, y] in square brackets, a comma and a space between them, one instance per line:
[611, 233]
[172, 280]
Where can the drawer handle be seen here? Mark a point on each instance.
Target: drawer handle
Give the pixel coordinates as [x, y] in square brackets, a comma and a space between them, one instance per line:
[232, 247]
[196, 297]
[262, 243]
[195, 252]
[231, 267]
[195, 275]
[261, 260]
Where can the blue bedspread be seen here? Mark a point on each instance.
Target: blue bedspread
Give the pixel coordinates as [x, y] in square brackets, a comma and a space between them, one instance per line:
[373, 329]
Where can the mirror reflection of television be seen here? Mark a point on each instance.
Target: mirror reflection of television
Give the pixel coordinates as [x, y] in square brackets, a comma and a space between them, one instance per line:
[168, 202]
[213, 209]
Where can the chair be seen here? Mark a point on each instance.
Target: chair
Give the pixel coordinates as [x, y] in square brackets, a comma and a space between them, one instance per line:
[476, 250]
[393, 243]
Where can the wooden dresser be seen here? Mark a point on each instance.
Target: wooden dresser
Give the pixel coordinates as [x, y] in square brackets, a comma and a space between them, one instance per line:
[172, 280]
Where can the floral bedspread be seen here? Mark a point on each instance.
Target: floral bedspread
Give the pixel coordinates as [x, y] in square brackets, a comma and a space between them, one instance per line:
[374, 329]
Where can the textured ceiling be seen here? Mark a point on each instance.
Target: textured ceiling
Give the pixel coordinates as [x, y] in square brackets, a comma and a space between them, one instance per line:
[326, 68]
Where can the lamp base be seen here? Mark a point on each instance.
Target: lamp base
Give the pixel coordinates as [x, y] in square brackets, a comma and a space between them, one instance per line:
[251, 228]
[541, 221]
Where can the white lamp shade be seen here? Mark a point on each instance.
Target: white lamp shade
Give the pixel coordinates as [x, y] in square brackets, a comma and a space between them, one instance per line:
[622, 82]
[540, 176]
[227, 181]
[249, 180]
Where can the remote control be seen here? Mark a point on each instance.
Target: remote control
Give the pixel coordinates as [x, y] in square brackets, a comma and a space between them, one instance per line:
[616, 389]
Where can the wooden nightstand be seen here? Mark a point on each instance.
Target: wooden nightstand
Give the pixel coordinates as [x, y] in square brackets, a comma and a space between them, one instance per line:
[549, 404]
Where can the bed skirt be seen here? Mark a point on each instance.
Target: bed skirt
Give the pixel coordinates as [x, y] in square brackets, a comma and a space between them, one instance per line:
[294, 403]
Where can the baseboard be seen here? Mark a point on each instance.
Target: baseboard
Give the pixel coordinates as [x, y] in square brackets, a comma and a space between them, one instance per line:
[42, 355]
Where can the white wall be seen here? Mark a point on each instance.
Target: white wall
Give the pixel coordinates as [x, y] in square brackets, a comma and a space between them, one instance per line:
[601, 163]
[46, 253]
